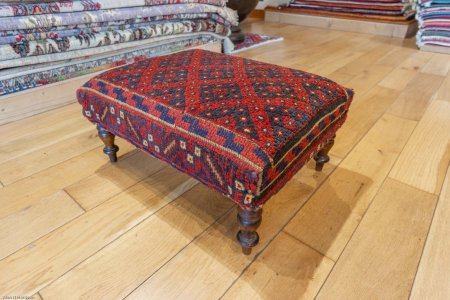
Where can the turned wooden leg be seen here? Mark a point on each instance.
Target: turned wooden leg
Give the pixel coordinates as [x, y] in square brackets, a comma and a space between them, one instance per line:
[249, 221]
[322, 156]
[108, 139]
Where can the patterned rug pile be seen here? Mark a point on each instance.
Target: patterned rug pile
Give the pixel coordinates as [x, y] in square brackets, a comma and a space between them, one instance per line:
[45, 42]
[253, 40]
[434, 23]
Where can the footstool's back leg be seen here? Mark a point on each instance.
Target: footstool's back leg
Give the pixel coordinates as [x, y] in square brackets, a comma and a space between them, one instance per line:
[249, 221]
[322, 156]
[108, 139]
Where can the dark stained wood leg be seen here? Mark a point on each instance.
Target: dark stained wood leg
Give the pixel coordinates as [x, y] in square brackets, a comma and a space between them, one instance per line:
[108, 139]
[249, 221]
[322, 156]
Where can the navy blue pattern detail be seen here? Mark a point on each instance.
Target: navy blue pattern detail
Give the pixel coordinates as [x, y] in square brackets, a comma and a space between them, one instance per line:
[229, 140]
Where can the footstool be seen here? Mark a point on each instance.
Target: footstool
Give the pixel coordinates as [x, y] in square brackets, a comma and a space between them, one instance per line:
[239, 126]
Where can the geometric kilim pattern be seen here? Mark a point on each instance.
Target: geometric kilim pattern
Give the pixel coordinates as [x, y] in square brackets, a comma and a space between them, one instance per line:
[239, 126]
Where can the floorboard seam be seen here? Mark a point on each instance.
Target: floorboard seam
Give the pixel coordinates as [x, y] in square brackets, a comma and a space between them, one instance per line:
[73, 199]
[439, 88]
[368, 207]
[108, 165]
[31, 115]
[101, 248]
[414, 187]
[48, 144]
[368, 129]
[426, 237]
[184, 247]
[276, 235]
[49, 167]
[49, 232]
[307, 245]
[63, 160]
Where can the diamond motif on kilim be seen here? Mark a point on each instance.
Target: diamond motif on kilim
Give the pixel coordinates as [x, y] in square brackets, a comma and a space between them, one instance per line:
[263, 72]
[238, 117]
[284, 121]
[273, 90]
[175, 62]
[173, 96]
[169, 76]
[132, 77]
[216, 73]
[220, 92]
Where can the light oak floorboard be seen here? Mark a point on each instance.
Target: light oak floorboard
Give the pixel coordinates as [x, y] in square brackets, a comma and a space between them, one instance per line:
[32, 268]
[117, 177]
[289, 56]
[41, 159]
[414, 100]
[424, 160]
[31, 189]
[39, 124]
[38, 138]
[208, 266]
[340, 77]
[398, 79]
[333, 62]
[326, 62]
[443, 94]
[287, 269]
[396, 56]
[374, 55]
[416, 61]
[28, 224]
[381, 259]
[368, 78]
[434, 270]
[116, 270]
[439, 64]
[320, 53]
[330, 217]
[364, 113]
[364, 63]
[36, 297]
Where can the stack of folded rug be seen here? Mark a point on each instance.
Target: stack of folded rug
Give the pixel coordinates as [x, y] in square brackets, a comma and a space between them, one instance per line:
[434, 23]
[372, 10]
[45, 42]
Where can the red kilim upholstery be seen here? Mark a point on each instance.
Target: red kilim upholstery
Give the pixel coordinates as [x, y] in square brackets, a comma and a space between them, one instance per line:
[239, 126]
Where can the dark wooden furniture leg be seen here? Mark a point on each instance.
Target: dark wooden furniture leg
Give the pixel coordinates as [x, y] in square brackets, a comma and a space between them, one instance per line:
[322, 156]
[108, 139]
[249, 221]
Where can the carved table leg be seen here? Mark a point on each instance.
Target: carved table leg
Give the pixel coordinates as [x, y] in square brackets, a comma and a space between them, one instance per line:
[249, 221]
[322, 156]
[108, 139]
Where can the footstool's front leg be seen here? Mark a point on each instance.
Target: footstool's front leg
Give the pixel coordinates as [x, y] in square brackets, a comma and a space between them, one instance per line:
[108, 139]
[249, 221]
[322, 156]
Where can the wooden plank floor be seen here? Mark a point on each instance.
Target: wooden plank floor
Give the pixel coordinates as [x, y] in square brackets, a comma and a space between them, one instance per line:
[373, 225]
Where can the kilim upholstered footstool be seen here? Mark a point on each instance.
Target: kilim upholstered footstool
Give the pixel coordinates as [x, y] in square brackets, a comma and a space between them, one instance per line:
[239, 126]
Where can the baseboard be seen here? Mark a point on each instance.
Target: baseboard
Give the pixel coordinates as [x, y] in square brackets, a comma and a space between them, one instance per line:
[257, 14]
[436, 49]
[397, 30]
